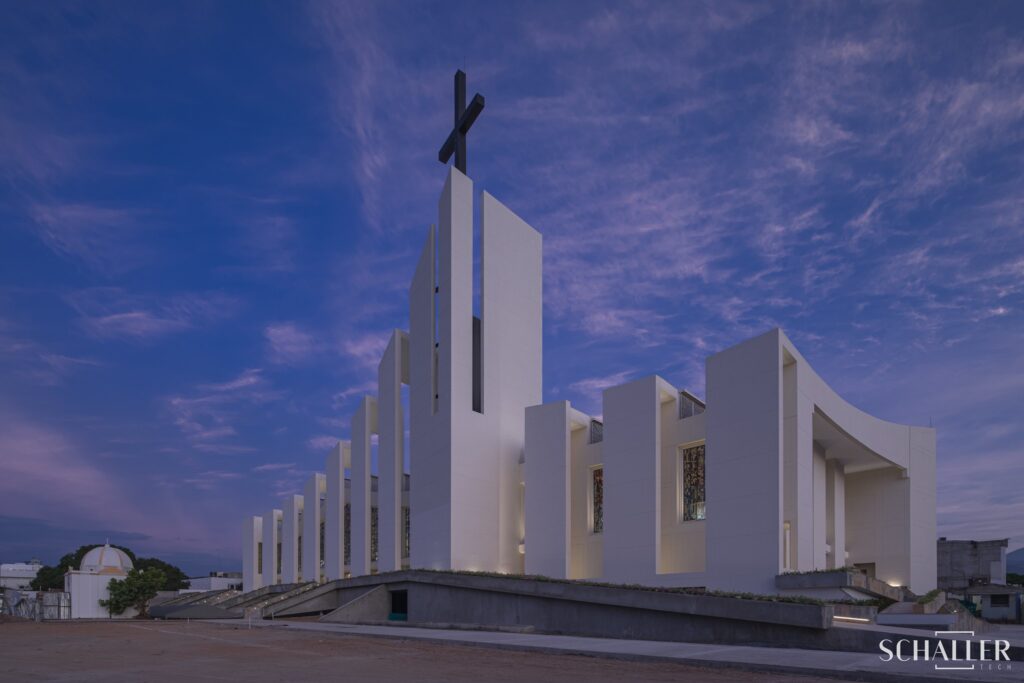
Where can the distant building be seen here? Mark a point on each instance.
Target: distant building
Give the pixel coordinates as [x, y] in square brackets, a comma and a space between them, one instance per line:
[994, 602]
[962, 564]
[216, 581]
[18, 575]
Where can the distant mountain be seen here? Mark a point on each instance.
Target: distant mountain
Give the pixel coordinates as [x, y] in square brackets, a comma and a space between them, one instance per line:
[1015, 561]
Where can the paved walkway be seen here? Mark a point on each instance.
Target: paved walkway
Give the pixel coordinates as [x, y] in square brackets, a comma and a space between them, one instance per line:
[854, 665]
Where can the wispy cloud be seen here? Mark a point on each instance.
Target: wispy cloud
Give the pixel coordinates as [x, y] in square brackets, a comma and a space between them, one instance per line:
[365, 350]
[273, 466]
[321, 442]
[288, 344]
[105, 239]
[35, 361]
[210, 479]
[207, 417]
[114, 313]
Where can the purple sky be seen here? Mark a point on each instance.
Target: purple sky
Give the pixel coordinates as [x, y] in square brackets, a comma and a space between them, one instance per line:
[210, 215]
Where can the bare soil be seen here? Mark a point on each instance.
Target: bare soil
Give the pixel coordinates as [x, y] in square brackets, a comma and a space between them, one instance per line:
[172, 651]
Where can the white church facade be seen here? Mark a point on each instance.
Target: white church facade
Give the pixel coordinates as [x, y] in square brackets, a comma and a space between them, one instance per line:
[775, 474]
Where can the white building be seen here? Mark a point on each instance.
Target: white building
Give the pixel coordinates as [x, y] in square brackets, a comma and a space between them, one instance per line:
[215, 581]
[19, 575]
[88, 584]
[777, 473]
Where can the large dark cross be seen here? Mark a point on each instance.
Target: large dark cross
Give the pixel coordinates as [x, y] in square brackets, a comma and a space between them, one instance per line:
[464, 118]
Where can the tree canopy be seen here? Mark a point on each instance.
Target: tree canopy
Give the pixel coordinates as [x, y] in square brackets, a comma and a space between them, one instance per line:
[135, 590]
[174, 578]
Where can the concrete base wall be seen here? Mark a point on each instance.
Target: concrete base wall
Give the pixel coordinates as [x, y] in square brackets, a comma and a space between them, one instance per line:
[590, 610]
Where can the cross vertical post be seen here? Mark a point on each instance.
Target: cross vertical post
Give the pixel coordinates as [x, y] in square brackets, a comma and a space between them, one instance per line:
[463, 120]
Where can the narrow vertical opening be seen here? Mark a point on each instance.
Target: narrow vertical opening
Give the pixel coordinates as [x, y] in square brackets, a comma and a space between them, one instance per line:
[478, 295]
[436, 325]
[478, 393]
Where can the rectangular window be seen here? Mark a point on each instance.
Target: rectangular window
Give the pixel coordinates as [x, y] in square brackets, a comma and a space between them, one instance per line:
[999, 600]
[259, 558]
[597, 500]
[689, 405]
[692, 485]
[596, 431]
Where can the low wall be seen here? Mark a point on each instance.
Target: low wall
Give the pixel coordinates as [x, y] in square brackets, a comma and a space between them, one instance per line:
[571, 608]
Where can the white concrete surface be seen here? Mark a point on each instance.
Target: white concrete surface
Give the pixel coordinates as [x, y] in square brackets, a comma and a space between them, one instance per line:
[796, 478]
[392, 373]
[252, 536]
[334, 526]
[291, 535]
[272, 521]
[364, 426]
[314, 495]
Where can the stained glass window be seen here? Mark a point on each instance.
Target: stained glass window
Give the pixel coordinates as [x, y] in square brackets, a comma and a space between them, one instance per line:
[405, 531]
[693, 483]
[373, 534]
[323, 540]
[597, 499]
[348, 534]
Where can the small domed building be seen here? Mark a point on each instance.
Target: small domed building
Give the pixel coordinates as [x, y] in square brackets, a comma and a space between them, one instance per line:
[88, 584]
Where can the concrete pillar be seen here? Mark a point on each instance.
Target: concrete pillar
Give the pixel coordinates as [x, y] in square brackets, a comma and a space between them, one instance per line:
[292, 533]
[392, 373]
[271, 568]
[312, 553]
[252, 536]
[798, 468]
[548, 480]
[364, 425]
[334, 531]
[835, 482]
[512, 313]
[632, 479]
[744, 466]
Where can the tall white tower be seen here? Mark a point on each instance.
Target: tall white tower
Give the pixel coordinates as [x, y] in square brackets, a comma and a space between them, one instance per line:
[471, 379]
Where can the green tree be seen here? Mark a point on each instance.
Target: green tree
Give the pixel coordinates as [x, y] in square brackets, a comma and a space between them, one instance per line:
[174, 578]
[1015, 579]
[135, 590]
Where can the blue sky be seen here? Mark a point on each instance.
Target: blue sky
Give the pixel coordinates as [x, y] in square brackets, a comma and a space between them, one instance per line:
[210, 214]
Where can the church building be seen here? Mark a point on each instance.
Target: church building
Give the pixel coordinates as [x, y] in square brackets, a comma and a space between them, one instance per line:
[774, 472]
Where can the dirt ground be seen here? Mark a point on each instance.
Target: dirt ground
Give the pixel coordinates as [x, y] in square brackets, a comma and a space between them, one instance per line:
[174, 651]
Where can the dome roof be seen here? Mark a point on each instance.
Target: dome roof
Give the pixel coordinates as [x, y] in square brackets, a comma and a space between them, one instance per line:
[104, 559]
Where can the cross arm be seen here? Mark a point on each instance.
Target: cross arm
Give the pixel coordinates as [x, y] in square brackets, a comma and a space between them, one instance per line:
[472, 112]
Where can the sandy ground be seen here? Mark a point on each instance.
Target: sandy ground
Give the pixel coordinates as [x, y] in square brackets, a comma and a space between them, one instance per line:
[173, 651]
